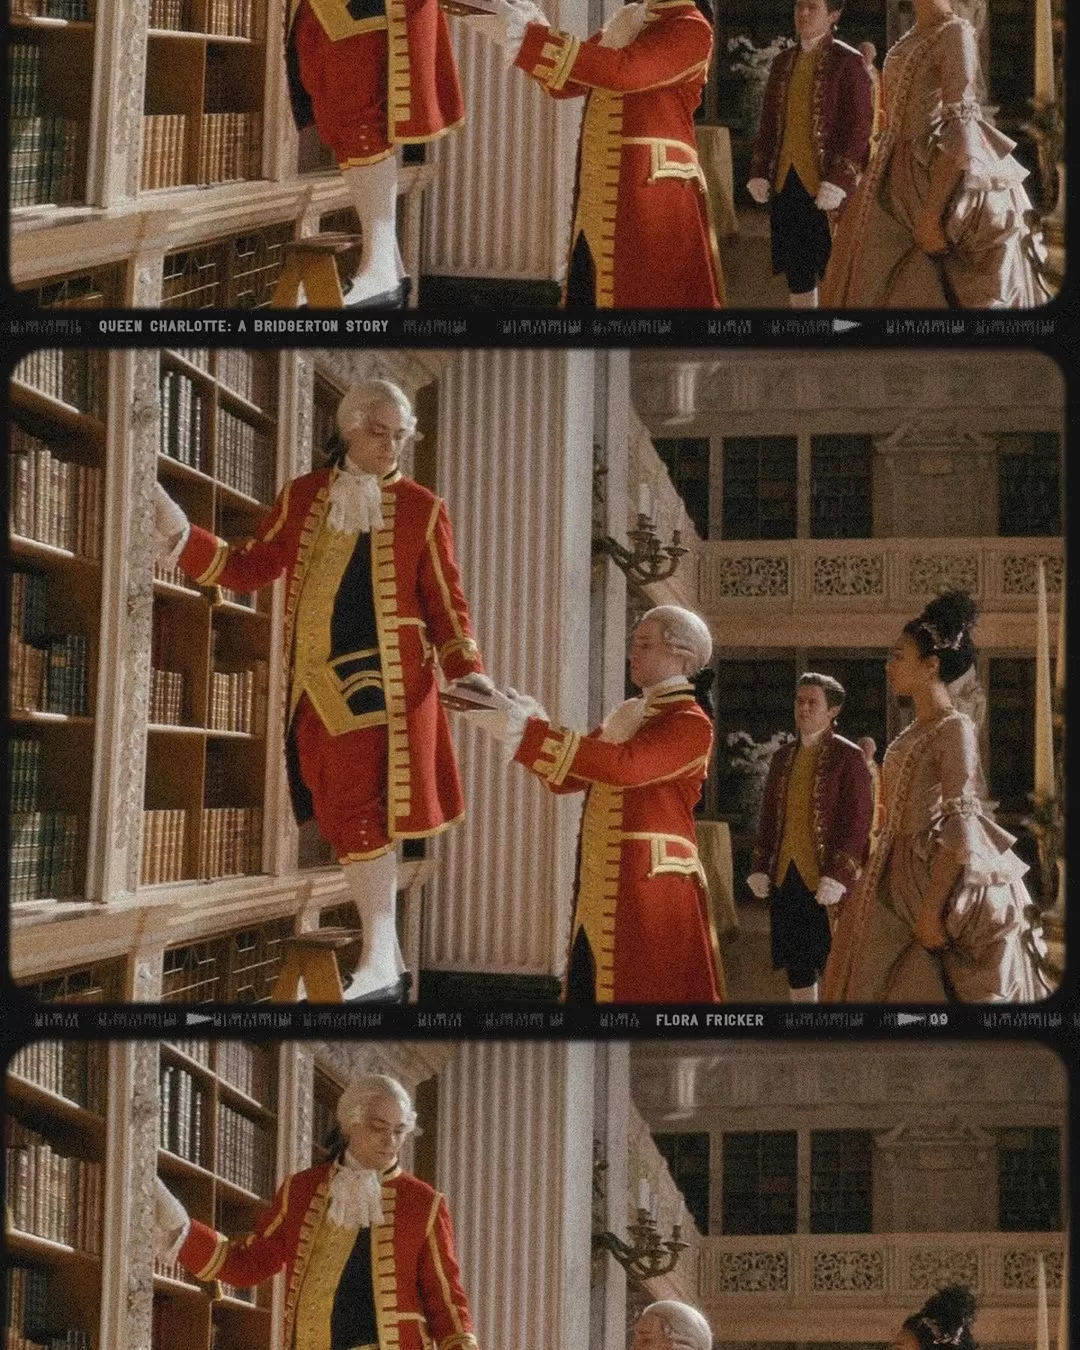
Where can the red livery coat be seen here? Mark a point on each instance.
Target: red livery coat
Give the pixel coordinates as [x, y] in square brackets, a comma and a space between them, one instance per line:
[420, 614]
[841, 810]
[416, 1281]
[641, 894]
[640, 202]
[395, 56]
[842, 114]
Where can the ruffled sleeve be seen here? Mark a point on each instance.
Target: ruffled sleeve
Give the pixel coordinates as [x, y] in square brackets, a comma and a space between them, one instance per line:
[978, 148]
[978, 843]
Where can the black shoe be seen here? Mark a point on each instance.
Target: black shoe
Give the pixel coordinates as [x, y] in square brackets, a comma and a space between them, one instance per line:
[392, 299]
[389, 993]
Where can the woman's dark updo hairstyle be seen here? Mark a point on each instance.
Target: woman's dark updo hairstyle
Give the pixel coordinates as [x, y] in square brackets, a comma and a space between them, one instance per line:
[944, 1320]
[943, 630]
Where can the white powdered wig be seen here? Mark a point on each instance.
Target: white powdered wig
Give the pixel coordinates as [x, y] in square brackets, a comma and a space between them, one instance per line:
[680, 1319]
[685, 632]
[353, 1104]
[359, 399]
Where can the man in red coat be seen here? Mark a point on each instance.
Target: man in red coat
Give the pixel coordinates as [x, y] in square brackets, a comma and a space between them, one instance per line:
[642, 233]
[373, 600]
[642, 930]
[372, 75]
[368, 1249]
[813, 143]
[813, 835]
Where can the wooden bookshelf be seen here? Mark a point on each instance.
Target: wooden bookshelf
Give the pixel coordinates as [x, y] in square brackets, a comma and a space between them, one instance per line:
[217, 1137]
[207, 739]
[50, 97]
[57, 479]
[327, 1091]
[55, 1159]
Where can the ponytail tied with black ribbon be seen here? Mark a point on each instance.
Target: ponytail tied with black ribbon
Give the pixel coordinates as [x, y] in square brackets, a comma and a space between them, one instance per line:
[703, 682]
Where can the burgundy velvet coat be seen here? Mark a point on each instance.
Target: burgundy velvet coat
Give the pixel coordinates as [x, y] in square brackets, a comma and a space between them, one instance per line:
[842, 115]
[842, 809]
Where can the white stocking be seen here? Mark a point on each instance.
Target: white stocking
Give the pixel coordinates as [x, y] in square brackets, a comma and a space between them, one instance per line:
[803, 299]
[806, 995]
[373, 189]
[372, 885]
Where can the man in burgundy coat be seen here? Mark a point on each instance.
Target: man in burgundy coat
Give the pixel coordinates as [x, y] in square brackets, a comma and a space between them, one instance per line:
[813, 836]
[813, 143]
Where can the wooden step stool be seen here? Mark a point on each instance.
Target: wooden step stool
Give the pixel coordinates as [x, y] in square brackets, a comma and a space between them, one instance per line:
[324, 959]
[323, 264]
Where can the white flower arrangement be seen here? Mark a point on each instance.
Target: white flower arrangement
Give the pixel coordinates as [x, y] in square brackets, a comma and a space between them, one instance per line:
[751, 62]
[753, 756]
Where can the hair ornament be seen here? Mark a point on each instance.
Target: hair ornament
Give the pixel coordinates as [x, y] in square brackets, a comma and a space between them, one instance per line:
[940, 645]
[942, 1337]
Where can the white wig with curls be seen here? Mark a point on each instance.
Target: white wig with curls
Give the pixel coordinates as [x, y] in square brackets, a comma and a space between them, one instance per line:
[683, 1322]
[684, 632]
[354, 1102]
[359, 399]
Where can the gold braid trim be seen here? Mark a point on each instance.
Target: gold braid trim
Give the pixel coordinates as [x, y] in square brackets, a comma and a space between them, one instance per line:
[217, 565]
[384, 1273]
[320, 1202]
[217, 1259]
[384, 590]
[598, 883]
[436, 1257]
[399, 74]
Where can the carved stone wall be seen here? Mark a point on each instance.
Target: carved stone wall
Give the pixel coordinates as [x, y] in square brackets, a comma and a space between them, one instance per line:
[935, 479]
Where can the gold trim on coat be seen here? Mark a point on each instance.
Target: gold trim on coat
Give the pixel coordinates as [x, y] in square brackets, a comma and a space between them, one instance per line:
[384, 1273]
[384, 590]
[598, 882]
[313, 1218]
[598, 187]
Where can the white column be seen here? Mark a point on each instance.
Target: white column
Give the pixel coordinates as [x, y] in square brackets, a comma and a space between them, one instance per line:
[612, 1114]
[515, 456]
[609, 597]
[515, 1163]
[500, 203]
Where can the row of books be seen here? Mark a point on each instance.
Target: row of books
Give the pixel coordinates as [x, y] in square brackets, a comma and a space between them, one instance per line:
[167, 697]
[53, 500]
[71, 375]
[28, 608]
[25, 769]
[32, 1313]
[231, 843]
[72, 1069]
[244, 1151]
[44, 855]
[163, 841]
[199, 1051]
[43, 161]
[244, 598]
[196, 356]
[164, 157]
[171, 14]
[247, 1068]
[180, 1113]
[244, 373]
[172, 1270]
[230, 146]
[181, 419]
[172, 574]
[232, 18]
[24, 92]
[238, 700]
[51, 1195]
[244, 457]
[74, 11]
[53, 678]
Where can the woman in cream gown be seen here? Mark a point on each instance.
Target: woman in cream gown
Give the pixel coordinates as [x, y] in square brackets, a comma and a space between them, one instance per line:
[939, 219]
[940, 912]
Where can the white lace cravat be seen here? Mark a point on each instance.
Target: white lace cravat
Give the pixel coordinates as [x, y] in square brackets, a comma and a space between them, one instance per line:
[621, 723]
[355, 1196]
[355, 502]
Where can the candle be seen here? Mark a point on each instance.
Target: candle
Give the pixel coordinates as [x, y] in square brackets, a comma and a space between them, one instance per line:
[643, 1194]
[1044, 726]
[1044, 53]
[1042, 1320]
[1063, 1314]
[643, 499]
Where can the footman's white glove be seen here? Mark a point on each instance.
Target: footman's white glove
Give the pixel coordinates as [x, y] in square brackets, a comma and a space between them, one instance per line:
[829, 197]
[759, 189]
[506, 26]
[829, 891]
[759, 884]
[170, 525]
[170, 1217]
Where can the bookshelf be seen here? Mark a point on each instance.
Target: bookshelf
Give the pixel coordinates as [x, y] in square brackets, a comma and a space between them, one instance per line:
[56, 468]
[49, 100]
[206, 742]
[325, 1094]
[217, 1152]
[55, 1159]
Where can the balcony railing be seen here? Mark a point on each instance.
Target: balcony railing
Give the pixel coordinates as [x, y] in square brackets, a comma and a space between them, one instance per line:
[873, 574]
[808, 1271]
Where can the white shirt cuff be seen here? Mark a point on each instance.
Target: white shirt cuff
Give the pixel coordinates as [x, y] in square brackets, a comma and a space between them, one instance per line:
[829, 891]
[759, 884]
[173, 1253]
[173, 556]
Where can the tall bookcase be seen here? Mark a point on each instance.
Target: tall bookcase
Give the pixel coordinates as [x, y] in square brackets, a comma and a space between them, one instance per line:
[217, 1136]
[57, 468]
[50, 100]
[55, 1159]
[206, 743]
